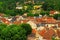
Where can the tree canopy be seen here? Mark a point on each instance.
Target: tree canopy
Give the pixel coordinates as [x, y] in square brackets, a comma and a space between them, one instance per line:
[56, 3]
[14, 32]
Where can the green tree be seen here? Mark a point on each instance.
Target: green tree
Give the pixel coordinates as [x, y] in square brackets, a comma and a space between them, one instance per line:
[45, 6]
[56, 16]
[1, 7]
[2, 26]
[48, 6]
[54, 3]
[36, 14]
[30, 14]
[13, 32]
[10, 12]
[42, 13]
[27, 27]
[47, 13]
[20, 12]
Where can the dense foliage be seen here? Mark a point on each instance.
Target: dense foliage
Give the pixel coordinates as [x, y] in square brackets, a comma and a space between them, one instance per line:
[14, 32]
[27, 27]
[56, 16]
[47, 7]
[30, 14]
[9, 7]
[54, 4]
[44, 13]
[36, 14]
[10, 12]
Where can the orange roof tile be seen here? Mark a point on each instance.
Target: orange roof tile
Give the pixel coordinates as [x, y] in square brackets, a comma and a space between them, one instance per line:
[38, 20]
[42, 32]
[59, 24]
[24, 21]
[34, 31]
[52, 12]
[5, 21]
[1, 14]
[31, 18]
[50, 20]
[17, 22]
[49, 34]
[58, 33]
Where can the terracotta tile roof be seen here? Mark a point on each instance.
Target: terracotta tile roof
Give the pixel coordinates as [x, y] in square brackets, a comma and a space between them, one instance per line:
[58, 33]
[1, 14]
[52, 12]
[51, 32]
[48, 39]
[24, 21]
[59, 24]
[20, 21]
[49, 20]
[38, 20]
[5, 21]
[47, 34]
[17, 22]
[43, 20]
[42, 32]
[30, 18]
[34, 31]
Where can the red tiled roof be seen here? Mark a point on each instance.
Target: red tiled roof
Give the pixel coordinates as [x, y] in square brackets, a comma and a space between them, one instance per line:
[47, 34]
[17, 22]
[31, 18]
[52, 12]
[24, 21]
[20, 21]
[34, 31]
[58, 24]
[1, 14]
[58, 33]
[51, 32]
[43, 20]
[42, 32]
[49, 39]
[49, 20]
[5, 21]
[38, 20]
